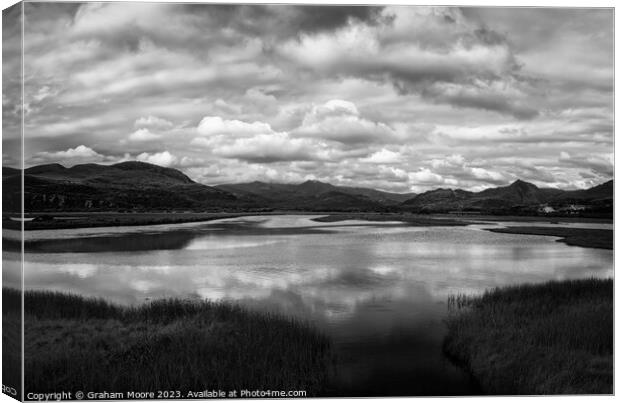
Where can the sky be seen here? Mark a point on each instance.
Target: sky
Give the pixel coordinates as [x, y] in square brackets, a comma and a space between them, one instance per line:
[398, 98]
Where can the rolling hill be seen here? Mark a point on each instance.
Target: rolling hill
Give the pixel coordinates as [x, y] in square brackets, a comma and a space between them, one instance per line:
[314, 189]
[127, 185]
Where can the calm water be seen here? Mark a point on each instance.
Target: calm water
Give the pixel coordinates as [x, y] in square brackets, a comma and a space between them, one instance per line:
[378, 289]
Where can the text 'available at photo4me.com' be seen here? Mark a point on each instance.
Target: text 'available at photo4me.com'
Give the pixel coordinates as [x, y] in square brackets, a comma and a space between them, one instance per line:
[165, 394]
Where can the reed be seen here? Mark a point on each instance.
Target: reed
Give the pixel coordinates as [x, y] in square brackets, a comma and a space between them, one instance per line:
[76, 343]
[552, 338]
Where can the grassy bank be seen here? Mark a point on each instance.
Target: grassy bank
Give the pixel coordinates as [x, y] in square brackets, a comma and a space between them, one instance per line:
[73, 343]
[586, 237]
[553, 338]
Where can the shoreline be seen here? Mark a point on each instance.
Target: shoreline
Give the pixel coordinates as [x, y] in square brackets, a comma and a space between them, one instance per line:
[584, 237]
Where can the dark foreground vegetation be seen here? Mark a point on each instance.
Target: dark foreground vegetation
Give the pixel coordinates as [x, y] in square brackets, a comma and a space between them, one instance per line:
[11, 343]
[553, 338]
[73, 343]
[586, 237]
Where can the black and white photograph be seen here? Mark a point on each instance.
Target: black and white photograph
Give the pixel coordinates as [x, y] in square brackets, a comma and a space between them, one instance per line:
[258, 201]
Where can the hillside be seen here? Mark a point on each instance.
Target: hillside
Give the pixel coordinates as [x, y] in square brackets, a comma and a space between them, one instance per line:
[440, 199]
[601, 192]
[127, 185]
[314, 189]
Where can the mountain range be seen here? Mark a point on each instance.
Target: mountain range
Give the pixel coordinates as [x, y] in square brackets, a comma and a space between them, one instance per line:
[142, 186]
[518, 194]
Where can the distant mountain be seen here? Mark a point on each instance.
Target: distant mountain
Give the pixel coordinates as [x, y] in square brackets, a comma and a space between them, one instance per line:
[601, 192]
[440, 199]
[314, 189]
[516, 195]
[127, 185]
[309, 196]
[518, 192]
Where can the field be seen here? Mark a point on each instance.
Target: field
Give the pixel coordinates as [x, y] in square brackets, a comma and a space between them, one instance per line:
[554, 338]
[73, 343]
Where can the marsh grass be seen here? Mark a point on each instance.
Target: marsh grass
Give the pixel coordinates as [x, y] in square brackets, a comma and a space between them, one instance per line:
[74, 343]
[553, 338]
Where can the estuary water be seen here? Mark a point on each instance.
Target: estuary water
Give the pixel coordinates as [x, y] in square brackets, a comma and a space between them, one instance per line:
[378, 289]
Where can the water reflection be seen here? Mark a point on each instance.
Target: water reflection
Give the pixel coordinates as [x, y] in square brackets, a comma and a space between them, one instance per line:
[378, 290]
[232, 261]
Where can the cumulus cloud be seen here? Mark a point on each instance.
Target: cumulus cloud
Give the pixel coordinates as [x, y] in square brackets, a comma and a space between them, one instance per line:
[267, 148]
[253, 142]
[424, 176]
[141, 135]
[383, 156]
[340, 121]
[164, 158]
[215, 125]
[71, 156]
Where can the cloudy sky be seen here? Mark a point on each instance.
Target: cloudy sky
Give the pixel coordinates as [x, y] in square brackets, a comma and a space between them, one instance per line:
[397, 98]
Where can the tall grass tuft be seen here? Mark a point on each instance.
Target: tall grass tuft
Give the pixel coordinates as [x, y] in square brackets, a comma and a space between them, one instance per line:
[552, 338]
[75, 343]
